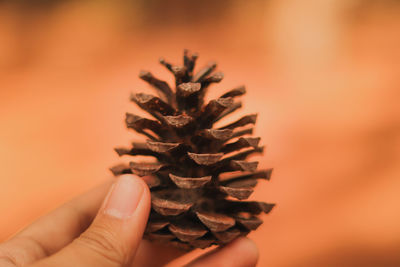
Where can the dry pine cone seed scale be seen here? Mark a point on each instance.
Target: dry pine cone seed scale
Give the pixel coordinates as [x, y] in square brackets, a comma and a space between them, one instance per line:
[200, 176]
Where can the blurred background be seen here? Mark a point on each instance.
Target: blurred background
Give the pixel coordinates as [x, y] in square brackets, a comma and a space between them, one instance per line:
[324, 77]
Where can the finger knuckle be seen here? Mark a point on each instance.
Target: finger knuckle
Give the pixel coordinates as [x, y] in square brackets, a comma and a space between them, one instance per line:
[104, 243]
[7, 260]
[21, 250]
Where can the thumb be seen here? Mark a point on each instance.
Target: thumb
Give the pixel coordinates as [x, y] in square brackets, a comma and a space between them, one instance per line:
[115, 234]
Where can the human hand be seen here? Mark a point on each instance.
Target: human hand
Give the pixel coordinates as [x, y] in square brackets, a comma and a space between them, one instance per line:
[105, 229]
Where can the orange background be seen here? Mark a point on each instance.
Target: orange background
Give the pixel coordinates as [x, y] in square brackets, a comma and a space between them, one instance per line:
[324, 77]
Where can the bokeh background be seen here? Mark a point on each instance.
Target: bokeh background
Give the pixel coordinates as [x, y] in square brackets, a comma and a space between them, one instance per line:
[324, 77]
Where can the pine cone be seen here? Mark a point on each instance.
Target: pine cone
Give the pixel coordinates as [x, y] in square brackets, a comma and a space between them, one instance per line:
[200, 175]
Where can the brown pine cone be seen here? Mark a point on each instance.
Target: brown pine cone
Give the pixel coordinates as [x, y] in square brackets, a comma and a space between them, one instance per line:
[200, 174]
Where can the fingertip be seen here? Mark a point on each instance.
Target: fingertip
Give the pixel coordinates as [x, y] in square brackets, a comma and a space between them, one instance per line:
[146, 195]
[142, 182]
[248, 249]
[241, 252]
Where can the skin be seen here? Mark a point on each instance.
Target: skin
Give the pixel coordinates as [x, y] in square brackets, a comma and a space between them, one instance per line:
[81, 233]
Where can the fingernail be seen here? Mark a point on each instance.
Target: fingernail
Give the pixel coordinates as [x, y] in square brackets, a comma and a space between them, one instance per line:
[124, 197]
